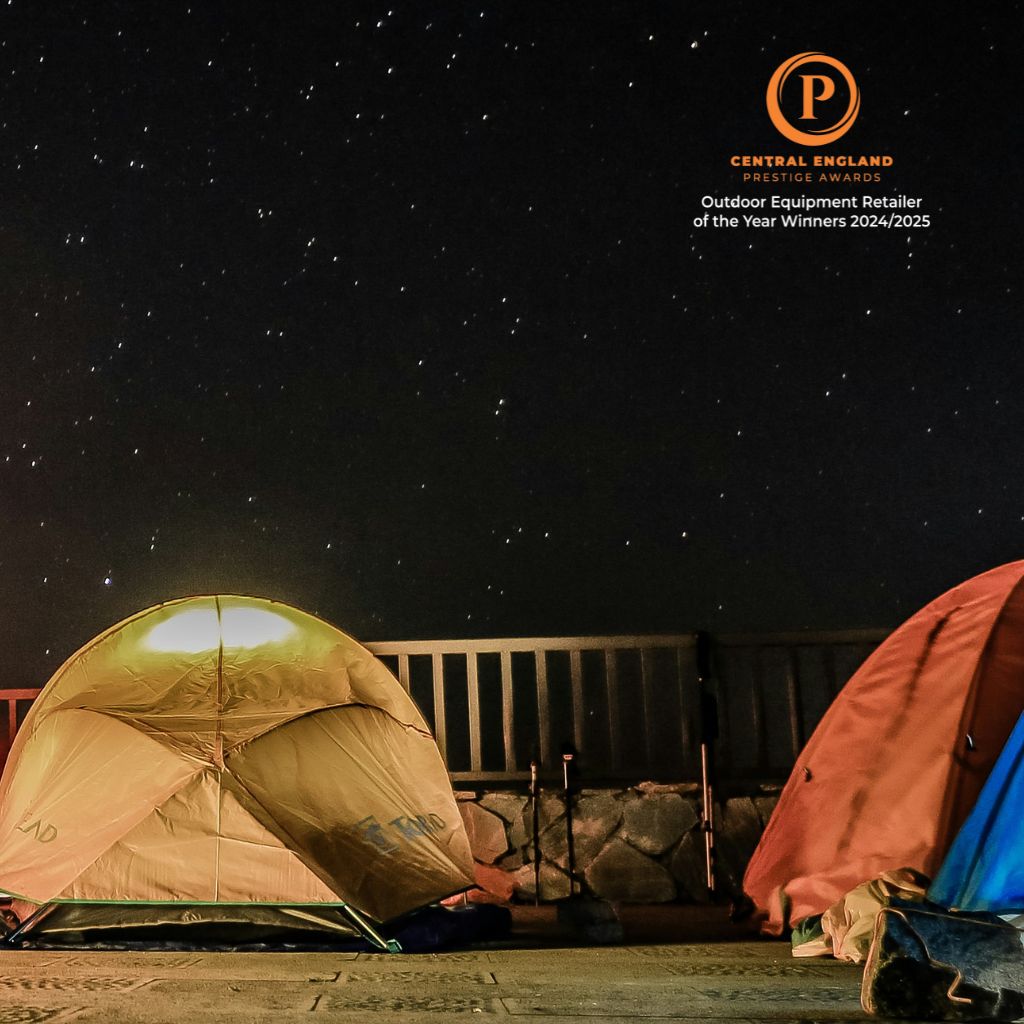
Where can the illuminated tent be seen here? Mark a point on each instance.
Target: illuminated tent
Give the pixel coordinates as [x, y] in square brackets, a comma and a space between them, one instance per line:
[897, 763]
[231, 759]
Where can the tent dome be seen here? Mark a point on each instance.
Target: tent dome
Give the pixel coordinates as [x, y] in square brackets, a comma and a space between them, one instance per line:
[228, 750]
[899, 759]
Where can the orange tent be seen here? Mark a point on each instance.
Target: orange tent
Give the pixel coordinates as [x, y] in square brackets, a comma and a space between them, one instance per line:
[226, 753]
[899, 759]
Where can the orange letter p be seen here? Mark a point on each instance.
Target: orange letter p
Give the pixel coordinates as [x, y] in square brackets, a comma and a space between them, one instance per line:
[827, 92]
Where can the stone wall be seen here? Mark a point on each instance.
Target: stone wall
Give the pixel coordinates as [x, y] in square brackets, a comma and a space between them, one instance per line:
[637, 845]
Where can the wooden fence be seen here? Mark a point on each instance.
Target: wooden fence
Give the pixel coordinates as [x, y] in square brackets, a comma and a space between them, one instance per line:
[628, 704]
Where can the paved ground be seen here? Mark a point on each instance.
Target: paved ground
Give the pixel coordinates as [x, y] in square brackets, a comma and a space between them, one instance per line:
[544, 979]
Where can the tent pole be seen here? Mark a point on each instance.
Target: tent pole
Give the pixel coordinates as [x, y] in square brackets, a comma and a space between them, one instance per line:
[535, 809]
[369, 932]
[29, 923]
[568, 756]
[708, 734]
[707, 820]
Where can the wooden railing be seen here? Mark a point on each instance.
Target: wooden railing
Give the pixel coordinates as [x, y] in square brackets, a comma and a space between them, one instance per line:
[18, 703]
[773, 690]
[628, 704]
[496, 704]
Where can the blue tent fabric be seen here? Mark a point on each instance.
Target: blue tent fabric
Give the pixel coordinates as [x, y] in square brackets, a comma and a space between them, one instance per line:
[984, 869]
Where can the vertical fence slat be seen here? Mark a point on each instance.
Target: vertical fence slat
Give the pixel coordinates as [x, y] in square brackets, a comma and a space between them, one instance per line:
[611, 682]
[543, 706]
[403, 671]
[685, 739]
[646, 703]
[508, 726]
[473, 700]
[828, 662]
[579, 736]
[757, 709]
[796, 729]
[724, 762]
[440, 717]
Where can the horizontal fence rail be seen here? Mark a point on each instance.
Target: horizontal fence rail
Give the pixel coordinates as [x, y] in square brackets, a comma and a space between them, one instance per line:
[629, 705]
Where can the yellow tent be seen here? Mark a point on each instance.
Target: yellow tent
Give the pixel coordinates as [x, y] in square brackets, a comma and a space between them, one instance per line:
[233, 754]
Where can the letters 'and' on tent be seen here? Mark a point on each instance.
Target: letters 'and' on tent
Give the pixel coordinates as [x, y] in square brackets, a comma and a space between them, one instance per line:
[899, 762]
[231, 759]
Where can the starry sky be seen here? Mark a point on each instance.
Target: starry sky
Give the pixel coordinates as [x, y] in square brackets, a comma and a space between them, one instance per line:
[397, 312]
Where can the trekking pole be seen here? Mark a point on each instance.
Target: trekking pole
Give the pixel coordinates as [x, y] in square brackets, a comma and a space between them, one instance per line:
[535, 811]
[568, 758]
[708, 735]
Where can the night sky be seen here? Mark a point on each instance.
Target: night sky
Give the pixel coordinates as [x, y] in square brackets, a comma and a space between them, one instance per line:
[397, 312]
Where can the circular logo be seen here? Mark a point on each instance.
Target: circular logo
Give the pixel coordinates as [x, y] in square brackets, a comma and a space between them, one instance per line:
[817, 90]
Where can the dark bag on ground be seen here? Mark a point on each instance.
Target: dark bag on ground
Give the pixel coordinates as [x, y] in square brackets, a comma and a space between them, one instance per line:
[932, 965]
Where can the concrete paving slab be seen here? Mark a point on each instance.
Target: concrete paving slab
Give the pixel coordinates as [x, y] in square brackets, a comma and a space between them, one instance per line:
[709, 968]
[714, 951]
[397, 1005]
[554, 983]
[148, 1015]
[15, 1014]
[672, 1004]
[25, 987]
[478, 957]
[569, 955]
[267, 966]
[413, 978]
[209, 997]
[525, 977]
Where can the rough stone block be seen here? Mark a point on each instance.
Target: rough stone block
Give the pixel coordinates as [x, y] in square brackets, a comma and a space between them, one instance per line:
[595, 818]
[598, 806]
[620, 872]
[551, 808]
[507, 805]
[511, 807]
[737, 832]
[518, 837]
[688, 867]
[515, 860]
[653, 824]
[486, 831]
[765, 807]
[652, 788]
[554, 883]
